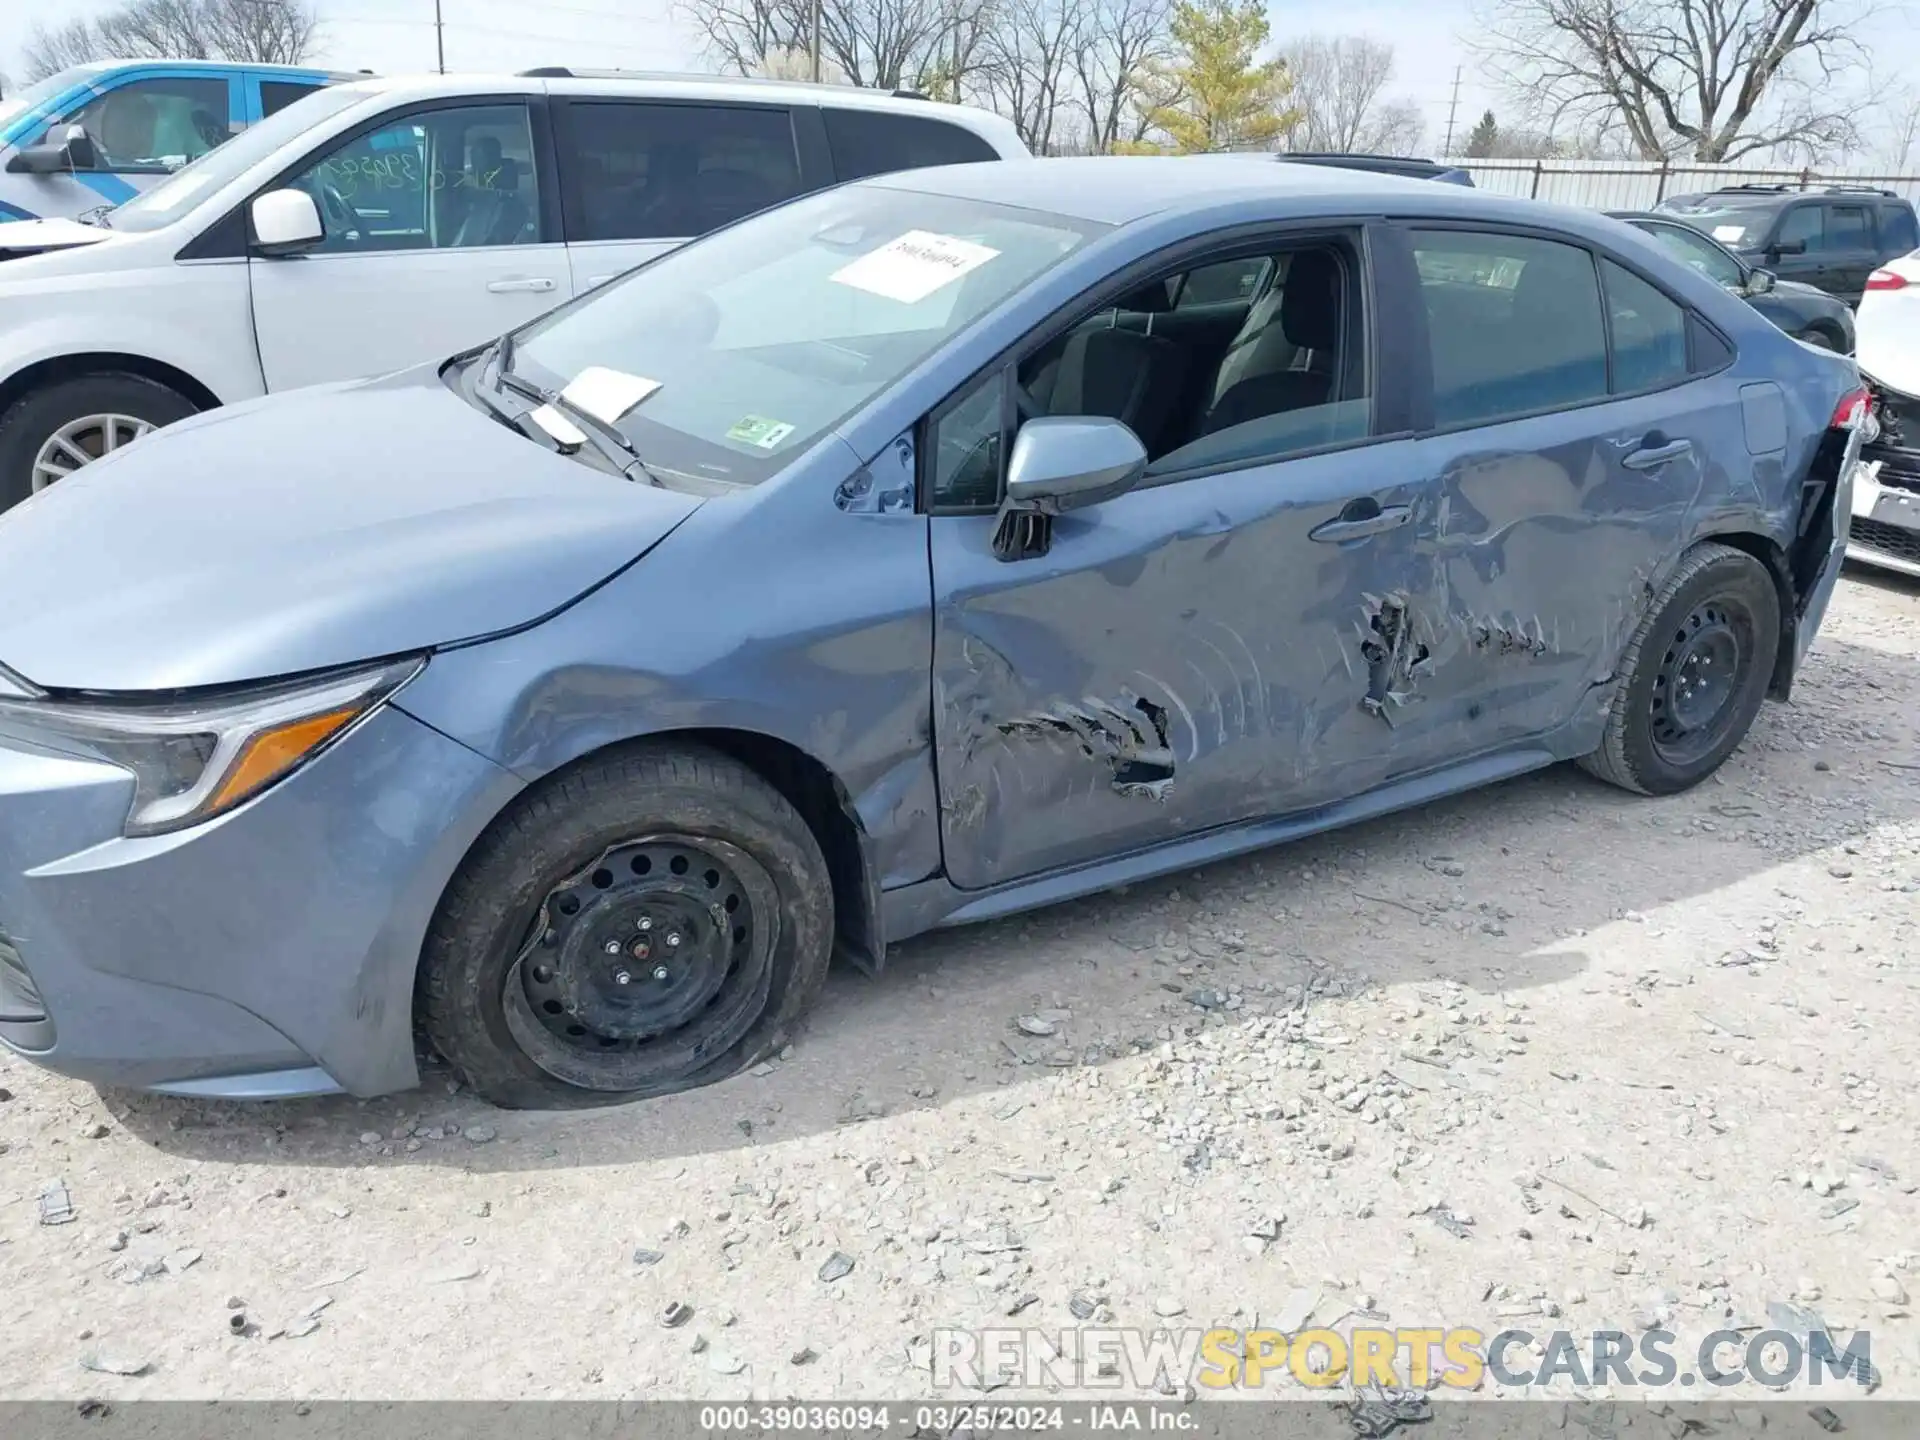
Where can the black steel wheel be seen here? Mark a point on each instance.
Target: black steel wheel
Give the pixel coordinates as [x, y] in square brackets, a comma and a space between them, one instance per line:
[1694, 676]
[648, 922]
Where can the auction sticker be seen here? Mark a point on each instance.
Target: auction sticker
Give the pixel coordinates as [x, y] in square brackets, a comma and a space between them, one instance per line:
[759, 432]
[914, 266]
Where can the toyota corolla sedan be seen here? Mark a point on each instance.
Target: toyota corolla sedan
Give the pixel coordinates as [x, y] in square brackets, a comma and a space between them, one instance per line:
[918, 552]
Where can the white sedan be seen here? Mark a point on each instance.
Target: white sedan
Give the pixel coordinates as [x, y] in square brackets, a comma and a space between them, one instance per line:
[1886, 496]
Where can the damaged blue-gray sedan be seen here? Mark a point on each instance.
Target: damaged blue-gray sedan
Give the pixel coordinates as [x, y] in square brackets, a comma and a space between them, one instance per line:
[918, 552]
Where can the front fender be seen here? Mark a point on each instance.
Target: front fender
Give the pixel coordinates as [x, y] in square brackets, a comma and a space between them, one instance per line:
[196, 319]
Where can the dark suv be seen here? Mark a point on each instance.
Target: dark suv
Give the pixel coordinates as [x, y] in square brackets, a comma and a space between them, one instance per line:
[1831, 238]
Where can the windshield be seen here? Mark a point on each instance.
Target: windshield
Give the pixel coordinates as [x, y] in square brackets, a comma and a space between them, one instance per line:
[23, 100]
[1737, 229]
[181, 191]
[762, 336]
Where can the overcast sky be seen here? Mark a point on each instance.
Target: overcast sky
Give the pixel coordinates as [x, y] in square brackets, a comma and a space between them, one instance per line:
[395, 36]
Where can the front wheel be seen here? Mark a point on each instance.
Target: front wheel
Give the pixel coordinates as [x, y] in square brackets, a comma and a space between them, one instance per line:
[1819, 339]
[650, 921]
[1694, 676]
[51, 432]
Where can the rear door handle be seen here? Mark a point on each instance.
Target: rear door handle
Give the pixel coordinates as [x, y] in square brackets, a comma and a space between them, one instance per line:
[1650, 457]
[1360, 519]
[537, 285]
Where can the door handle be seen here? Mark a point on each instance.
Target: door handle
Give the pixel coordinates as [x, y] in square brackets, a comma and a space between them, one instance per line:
[538, 285]
[1359, 519]
[1651, 457]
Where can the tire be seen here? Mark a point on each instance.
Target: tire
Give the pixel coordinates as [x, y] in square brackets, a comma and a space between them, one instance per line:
[608, 837]
[1814, 335]
[33, 419]
[1716, 596]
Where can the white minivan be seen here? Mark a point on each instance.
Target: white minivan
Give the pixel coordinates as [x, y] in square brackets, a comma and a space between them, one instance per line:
[379, 223]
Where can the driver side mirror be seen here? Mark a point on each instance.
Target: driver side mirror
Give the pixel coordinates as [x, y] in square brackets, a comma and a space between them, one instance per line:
[286, 222]
[73, 151]
[1062, 463]
[1787, 247]
[1759, 282]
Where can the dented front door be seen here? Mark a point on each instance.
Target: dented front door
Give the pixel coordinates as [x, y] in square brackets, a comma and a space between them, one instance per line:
[1183, 657]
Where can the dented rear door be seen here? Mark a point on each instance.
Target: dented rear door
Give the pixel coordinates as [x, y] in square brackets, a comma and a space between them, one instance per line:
[1569, 446]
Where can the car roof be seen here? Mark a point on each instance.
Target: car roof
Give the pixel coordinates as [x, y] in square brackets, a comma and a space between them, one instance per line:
[678, 85]
[104, 67]
[1120, 189]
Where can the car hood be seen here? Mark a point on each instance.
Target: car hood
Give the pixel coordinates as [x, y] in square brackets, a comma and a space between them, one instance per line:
[317, 528]
[36, 237]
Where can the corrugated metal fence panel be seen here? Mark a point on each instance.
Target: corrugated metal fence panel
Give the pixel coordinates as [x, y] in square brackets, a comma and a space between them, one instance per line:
[1636, 185]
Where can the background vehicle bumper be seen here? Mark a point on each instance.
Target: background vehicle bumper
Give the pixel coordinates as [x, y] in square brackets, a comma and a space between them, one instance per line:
[269, 953]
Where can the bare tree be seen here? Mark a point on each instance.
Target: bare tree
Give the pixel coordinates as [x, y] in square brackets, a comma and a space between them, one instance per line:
[885, 43]
[268, 32]
[1120, 43]
[1902, 135]
[1338, 87]
[1718, 78]
[49, 51]
[1027, 65]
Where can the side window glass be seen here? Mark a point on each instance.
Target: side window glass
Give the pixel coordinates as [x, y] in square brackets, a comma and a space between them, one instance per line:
[1802, 223]
[1514, 323]
[870, 142]
[277, 95]
[434, 180]
[965, 445]
[671, 172]
[1225, 283]
[1291, 378]
[1649, 332]
[1848, 228]
[154, 126]
[1709, 259]
[1898, 230]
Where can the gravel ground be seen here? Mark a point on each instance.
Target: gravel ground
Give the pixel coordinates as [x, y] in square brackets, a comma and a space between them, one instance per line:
[1547, 1055]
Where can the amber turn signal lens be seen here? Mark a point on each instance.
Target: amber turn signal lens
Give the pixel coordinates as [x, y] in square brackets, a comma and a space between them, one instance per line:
[272, 753]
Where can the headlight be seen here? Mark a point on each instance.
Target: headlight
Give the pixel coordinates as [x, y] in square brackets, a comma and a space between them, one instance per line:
[191, 761]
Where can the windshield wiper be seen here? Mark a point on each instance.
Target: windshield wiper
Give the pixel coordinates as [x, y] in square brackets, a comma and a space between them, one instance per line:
[97, 216]
[612, 446]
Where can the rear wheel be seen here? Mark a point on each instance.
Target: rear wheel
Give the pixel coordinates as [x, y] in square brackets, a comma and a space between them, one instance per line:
[53, 431]
[1819, 338]
[1694, 676]
[651, 921]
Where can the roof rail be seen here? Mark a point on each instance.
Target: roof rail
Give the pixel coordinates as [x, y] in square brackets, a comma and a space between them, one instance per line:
[1781, 189]
[1859, 190]
[572, 72]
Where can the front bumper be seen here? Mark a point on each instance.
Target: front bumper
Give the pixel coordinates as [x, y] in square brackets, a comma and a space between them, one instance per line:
[270, 952]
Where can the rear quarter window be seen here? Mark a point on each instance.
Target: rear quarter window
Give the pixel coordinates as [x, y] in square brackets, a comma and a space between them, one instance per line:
[872, 142]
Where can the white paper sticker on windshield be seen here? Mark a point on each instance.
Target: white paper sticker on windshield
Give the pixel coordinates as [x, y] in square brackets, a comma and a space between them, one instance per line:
[914, 266]
[607, 394]
[1728, 232]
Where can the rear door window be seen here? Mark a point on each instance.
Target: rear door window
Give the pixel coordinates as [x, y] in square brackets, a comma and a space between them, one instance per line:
[1514, 322]
[277, 95]
[1849, 227]
[871, 142]
[634, 170]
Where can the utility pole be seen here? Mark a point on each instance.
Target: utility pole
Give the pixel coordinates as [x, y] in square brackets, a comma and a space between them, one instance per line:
[440, 36]
[814, 46]
[1452, 110]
